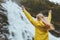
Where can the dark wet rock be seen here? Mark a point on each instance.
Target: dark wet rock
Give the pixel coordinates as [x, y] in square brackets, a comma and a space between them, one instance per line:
[3, 24]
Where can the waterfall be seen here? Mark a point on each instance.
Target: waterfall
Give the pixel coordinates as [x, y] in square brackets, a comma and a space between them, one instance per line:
[51, 37]
[19, 27]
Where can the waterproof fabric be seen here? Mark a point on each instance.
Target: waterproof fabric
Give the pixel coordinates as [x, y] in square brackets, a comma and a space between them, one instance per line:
[19, 26]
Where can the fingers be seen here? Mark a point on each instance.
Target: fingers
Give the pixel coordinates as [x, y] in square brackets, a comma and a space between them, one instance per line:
[23, 8]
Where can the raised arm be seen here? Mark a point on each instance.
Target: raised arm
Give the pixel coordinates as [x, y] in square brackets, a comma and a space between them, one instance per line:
[49, 15]
[30, 18]
[49, 19]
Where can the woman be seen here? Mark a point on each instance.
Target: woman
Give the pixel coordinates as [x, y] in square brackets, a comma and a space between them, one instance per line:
[41, 27]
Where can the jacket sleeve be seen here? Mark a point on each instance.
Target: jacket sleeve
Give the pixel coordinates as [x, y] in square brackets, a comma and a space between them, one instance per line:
[49, 16]
[31, 19]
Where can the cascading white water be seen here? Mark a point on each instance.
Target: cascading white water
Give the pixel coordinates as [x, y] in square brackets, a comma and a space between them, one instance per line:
[19, 26]
[51, 37]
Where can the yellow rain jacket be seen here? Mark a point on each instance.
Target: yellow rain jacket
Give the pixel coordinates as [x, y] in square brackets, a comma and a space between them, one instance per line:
[40, 32]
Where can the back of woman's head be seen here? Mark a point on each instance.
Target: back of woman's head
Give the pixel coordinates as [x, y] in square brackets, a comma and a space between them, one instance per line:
[39, 16]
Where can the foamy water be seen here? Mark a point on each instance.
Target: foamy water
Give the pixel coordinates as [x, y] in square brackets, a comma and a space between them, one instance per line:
[19, 26]
[51, 37]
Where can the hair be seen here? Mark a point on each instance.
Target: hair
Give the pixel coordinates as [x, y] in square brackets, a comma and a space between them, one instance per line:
[40, 15]
[3, 24]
